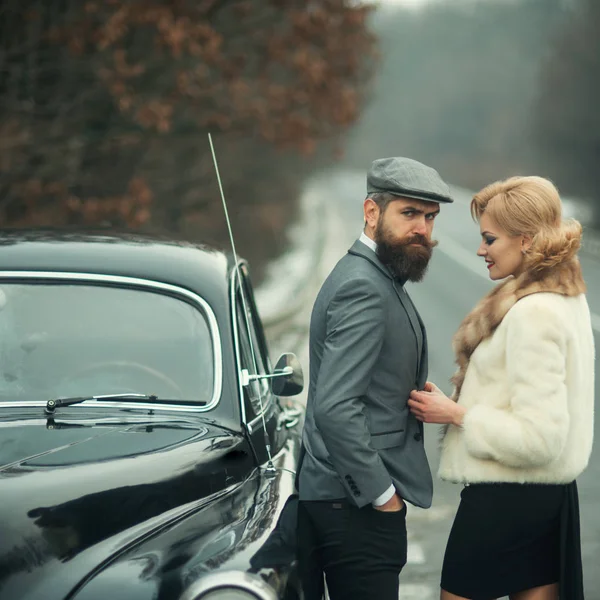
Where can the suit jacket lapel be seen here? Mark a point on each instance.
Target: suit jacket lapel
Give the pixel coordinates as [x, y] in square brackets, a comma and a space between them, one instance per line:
[423, 370]
[413, 317]
[360, 249]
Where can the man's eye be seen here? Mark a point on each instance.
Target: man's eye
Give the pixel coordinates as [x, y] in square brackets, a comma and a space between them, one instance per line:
[409, 213]
[431, 217]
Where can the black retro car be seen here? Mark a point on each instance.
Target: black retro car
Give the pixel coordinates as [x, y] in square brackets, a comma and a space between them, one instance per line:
[147, 447]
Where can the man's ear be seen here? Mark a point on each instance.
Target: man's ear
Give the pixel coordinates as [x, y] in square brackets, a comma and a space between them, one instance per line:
[371, 213]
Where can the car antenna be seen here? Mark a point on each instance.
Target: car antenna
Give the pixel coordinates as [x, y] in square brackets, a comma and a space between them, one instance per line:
[270, 469]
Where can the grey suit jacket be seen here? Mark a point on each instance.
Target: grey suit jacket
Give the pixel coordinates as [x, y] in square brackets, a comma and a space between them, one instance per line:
[368, 350]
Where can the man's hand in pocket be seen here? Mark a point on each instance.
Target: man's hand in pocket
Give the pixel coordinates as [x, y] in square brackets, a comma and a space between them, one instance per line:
[394, 504]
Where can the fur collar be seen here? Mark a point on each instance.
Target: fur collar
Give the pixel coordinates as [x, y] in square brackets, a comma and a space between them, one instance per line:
[564, 278]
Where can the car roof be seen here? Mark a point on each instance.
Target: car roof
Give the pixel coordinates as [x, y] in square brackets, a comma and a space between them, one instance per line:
[196, 267]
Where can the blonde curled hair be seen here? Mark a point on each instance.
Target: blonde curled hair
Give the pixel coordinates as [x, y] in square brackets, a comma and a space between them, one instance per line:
[531, 206]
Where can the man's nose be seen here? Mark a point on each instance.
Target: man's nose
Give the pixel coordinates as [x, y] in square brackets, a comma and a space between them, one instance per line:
[420, 227]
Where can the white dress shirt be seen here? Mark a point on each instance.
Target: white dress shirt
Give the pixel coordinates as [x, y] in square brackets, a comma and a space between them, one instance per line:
[367, 241]
[387, 495]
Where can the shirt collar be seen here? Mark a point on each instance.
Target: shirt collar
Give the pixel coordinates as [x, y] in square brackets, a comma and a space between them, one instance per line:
[367, 241]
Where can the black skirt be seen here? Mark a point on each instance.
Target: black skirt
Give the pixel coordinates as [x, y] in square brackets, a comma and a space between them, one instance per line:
[510, 537]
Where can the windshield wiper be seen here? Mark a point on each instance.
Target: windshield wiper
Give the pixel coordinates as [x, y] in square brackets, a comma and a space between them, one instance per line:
[52, 405]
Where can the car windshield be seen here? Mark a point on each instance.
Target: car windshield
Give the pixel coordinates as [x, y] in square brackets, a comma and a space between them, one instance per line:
[63, 340]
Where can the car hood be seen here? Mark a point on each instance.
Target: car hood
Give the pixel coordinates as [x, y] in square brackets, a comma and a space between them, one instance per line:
[72, 496]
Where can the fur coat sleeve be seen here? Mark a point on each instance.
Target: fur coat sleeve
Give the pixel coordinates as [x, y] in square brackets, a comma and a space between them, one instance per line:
[532, 430]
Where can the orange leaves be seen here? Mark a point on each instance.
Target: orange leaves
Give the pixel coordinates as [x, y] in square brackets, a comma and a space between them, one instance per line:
[347, 106]
[276, 96]
[132, 209]
[156, 114]
[140, 192]
[239, 90]
[175, 35]
[115, 27]
[311, 67]
[116, 78]
[317, 71]
[291, 72]
[122, 69]
[41, 200]
[357, 17]
[276, 47]
[14, 138]
[308, 146]
[141, 80]
[244, 8]
[120, 211]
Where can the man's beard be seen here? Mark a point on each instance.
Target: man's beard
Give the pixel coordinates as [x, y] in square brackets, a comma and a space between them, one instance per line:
[405, 261]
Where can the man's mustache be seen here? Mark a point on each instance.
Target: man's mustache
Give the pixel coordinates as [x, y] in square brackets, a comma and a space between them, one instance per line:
[417, 238]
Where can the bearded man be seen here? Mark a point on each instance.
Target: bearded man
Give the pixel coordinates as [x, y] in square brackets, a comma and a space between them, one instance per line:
[363, 454]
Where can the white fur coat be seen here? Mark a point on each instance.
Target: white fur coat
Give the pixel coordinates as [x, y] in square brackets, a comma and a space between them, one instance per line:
[526, 378]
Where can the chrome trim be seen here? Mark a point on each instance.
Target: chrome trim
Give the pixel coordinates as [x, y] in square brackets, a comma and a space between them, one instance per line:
[268, 410]
[268, 396]
[236, 339]
[148, 284]
[254, 585]
[274, 375]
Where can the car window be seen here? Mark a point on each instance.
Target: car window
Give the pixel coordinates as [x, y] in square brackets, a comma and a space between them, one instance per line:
[257, 327]
[61, 339]
[256, 391]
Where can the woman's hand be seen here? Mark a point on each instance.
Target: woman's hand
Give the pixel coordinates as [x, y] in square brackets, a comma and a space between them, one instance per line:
[432, 406]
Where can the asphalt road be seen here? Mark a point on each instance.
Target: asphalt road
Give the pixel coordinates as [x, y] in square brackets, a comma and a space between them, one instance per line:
[455, 281]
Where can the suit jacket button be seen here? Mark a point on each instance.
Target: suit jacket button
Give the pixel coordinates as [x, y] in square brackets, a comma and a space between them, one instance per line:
[418, 437]
[356, 492]
[348, 478]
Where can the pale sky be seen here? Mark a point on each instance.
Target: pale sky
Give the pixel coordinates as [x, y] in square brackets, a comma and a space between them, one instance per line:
[403, 2]
[409, 2]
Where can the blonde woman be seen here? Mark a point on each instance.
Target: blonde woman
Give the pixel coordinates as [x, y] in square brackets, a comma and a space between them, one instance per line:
[519, 426]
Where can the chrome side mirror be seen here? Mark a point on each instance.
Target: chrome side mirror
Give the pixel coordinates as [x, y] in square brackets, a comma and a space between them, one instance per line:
[288, 377]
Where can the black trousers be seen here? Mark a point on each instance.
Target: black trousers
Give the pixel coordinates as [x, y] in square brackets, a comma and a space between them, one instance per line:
[361, 551]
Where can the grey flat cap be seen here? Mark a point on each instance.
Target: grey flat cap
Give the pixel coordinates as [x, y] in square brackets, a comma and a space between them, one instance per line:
[408, 178]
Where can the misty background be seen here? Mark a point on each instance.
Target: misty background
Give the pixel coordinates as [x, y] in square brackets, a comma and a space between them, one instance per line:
[105, 106]
[487, 89]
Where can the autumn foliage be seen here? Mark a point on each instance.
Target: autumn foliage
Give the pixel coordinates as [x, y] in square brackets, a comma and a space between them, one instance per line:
[105, 106]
